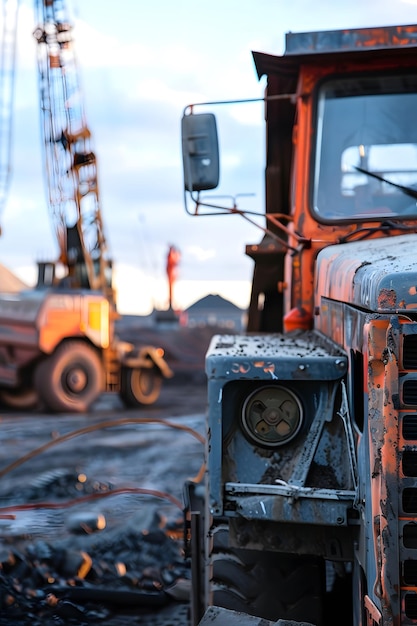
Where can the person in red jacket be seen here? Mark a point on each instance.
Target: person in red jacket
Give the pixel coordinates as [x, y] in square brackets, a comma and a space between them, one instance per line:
[173, 259]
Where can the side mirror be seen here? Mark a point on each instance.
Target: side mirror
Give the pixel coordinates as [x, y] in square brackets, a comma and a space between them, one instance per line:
[200, 152]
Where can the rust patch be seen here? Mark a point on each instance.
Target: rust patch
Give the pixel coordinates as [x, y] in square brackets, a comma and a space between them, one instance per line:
[240, 368]
[387, 298]
[266, 366]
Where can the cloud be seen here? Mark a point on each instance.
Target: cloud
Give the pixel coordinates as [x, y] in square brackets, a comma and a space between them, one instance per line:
[200, 254]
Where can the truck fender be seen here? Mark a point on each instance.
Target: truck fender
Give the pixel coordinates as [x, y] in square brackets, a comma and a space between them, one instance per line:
[147, 357]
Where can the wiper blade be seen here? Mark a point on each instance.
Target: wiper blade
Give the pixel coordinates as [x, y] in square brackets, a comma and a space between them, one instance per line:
[408, 191]
[384, 227]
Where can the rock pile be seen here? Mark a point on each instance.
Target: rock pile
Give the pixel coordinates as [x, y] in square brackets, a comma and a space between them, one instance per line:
[94, 576]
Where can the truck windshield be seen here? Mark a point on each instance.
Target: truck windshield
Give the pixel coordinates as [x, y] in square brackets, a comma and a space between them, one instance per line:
[366, 148]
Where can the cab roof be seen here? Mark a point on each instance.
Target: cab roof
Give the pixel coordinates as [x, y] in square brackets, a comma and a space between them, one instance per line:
[351, 39]
[350, 44]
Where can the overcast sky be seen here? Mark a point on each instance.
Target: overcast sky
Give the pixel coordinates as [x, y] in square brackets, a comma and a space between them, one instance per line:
[140, 64]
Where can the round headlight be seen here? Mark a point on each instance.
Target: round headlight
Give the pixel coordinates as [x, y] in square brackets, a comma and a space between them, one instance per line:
[272, 416]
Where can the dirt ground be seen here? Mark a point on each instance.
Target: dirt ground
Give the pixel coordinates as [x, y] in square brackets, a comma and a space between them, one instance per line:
[91, 519]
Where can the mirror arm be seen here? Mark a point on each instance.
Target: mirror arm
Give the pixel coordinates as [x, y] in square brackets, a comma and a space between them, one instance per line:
[188, 110]
[235, 211]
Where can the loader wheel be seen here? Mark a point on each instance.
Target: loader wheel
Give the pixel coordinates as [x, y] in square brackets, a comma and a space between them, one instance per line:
[269, 585]
[70, 379]
[21, 398]
[140, 386]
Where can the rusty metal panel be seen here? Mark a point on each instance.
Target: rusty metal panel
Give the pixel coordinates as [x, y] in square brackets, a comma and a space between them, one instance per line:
[351, 39]
[334, 542]
[295, 356]
[308, 366]
[379, 275]
[287, 503]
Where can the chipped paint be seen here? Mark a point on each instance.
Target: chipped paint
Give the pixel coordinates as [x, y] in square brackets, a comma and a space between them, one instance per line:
[387, 299]
[348, 275]
[240, 368]
[267, 367]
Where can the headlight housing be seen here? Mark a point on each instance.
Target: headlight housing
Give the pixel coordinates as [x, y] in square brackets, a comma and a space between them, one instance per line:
[272, 416]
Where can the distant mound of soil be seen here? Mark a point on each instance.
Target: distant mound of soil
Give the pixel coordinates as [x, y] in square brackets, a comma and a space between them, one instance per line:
[185, 348]
[9, 282]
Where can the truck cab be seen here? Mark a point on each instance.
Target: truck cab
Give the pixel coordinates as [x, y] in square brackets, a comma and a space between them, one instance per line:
[311, 447]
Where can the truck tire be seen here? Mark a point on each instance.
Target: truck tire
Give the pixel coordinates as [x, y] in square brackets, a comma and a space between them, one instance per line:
[70, 379]
[21, 398]
[269, 585]
[140, 386]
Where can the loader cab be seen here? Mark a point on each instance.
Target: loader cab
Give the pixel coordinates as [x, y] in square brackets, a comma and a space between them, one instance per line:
[46, 274]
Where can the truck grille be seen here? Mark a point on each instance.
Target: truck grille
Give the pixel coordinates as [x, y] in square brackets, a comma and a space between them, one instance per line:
[410, 500]
[410, 352]
[410, 536]
[410, 427]
[411, 606]
[409, 463]
[407, 475]
[410, 572]
[410, 392]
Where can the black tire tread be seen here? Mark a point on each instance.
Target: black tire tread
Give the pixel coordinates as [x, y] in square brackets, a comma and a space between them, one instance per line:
[269, 585]
[132, 394]
[20, 398]
[48, 378]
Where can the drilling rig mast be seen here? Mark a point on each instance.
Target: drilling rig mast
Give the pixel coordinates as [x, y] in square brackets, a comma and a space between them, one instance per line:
[70, 162]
